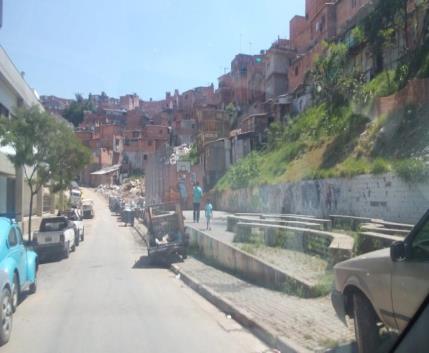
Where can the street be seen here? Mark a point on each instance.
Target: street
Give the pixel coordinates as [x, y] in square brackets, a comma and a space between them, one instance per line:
[102, 299]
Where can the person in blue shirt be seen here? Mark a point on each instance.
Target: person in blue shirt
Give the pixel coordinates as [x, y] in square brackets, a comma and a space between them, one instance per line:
[209, 213]
[197, 195]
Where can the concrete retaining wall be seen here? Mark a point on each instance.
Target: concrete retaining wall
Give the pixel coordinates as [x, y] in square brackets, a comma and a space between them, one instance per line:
[386, 196]
[246, 265]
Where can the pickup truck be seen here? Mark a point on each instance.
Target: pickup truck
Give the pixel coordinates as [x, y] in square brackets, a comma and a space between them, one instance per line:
[384, 287]
[56, 236]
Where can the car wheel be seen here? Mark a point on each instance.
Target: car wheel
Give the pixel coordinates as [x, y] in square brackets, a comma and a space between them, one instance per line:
[6, 316]
[15, 293]
[82, 237]
[67, 251]
[365, 322]
[33, 286]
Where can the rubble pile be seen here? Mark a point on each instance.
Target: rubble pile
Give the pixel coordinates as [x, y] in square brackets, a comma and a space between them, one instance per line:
[131, 194]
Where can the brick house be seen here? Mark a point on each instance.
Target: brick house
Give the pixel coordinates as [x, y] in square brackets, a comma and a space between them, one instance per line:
[129, 102]
[277, 61]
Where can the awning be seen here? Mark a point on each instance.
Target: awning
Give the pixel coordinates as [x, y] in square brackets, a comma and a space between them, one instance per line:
[107, 170]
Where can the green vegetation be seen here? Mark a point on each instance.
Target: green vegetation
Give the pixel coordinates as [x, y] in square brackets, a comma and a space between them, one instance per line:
[412, 170]
[45, 148]
[192, 156]
[75, 111]
[340, 136]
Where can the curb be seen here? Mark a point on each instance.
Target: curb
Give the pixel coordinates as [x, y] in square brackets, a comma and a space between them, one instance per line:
[240, 315]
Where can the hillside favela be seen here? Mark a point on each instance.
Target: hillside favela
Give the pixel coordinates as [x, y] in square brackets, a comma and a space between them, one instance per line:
[281, 207]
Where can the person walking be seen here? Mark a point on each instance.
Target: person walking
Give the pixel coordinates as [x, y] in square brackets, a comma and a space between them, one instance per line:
[197, 195]
[209, 213]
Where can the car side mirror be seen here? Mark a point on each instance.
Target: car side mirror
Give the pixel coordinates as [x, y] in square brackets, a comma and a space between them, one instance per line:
[397, 251]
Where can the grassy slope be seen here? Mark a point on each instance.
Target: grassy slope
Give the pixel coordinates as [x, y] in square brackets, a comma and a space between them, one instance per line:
[319, 144]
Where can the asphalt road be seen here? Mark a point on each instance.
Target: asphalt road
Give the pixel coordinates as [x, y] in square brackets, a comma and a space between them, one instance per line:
[103, 299]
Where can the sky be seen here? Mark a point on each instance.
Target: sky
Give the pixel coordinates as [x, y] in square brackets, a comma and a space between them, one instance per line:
[136, 46]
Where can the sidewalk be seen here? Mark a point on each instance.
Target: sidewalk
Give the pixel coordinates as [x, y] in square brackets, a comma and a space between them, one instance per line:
[307, 323]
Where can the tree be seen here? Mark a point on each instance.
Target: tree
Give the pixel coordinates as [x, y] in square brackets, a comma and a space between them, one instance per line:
[334, 83]
[45, 148]
[69, 159]
[29, 133]
[75, 111]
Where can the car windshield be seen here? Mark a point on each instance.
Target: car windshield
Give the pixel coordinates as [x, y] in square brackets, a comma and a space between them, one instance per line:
[217, 176]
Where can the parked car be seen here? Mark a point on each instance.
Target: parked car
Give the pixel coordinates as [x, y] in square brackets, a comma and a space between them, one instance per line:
[56, 236]
[19, 262]
[75, 216]
[75, 197]
[6, 309]
[385, 286]
[87, 208]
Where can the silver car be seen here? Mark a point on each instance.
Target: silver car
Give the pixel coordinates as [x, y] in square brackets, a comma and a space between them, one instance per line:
[6, 312]
[384, 287]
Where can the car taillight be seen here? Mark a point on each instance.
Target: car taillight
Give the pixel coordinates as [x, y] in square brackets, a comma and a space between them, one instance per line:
[62, 237]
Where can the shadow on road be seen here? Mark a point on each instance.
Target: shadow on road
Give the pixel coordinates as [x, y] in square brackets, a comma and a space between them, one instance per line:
[50, 259]
[147, 262]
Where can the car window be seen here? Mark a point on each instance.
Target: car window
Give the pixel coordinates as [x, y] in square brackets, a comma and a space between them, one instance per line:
[18, 235]
[12, 238]
[54, 225]
[420, 244]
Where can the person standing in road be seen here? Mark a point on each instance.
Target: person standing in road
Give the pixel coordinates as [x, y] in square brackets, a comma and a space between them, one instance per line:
[209, 213]
[197, 195]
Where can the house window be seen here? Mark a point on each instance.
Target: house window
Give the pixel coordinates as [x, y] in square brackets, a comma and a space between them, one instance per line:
[296, 71]
[145, 157]
[150, 143]
[160, 131]
[135, 134]
[354, 3]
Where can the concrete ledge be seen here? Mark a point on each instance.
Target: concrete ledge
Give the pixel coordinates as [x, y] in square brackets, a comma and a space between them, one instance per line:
[335, 247]
[240, 315]
[393, 224]
[378, 228]
[370, 241]
[351, 220]
[251, 268]
[233, 220]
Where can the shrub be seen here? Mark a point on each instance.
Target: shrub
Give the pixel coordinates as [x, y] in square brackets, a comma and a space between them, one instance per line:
[243, 173]
[411, 170]
[380, 166]
[382, 85]
[352, 167]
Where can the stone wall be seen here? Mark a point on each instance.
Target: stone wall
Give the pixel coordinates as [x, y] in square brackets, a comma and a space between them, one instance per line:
[386, 196]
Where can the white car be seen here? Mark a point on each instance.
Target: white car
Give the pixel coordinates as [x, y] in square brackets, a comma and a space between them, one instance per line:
[56, 236]
[75, 197]
[87, 208]
[75, 216]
